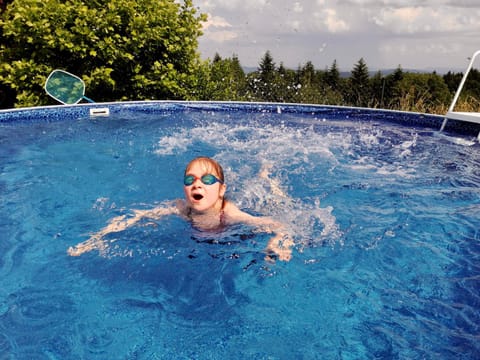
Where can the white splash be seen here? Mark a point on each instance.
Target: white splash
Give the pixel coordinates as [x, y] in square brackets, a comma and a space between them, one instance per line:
[246, 150]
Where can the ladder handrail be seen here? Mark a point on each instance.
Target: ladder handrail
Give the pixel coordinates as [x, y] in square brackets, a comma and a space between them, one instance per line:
[460, 87]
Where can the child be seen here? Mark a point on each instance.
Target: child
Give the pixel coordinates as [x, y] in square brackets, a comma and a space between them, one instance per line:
[205, 206]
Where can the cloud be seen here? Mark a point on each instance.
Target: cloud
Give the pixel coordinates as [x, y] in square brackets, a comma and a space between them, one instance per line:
[385, 32]
[216, 22]
[214, 29]
[234, 5]
[331, 21]
[419, 20]
[462, 3]
[222, 36]
[297, 7]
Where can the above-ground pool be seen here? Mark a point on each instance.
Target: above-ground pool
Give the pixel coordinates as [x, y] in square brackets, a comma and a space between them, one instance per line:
[383, 208]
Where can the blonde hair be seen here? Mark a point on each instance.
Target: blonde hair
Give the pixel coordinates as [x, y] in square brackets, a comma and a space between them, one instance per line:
[210, 164]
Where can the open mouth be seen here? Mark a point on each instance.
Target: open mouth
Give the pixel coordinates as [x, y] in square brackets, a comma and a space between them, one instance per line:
[198, 197]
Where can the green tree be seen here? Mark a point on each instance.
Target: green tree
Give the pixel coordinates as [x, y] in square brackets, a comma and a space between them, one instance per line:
[309, 90]
[471, 89]
[123, 49]
[472, 84]
[359, 90]
[333, 76]
[238, 77]
[307, 74]
[452, 80]
[222, 79]
[421, 92]
[391, 97]
[3, 4]
[263, 83]
[333, 86]
[267, 67]
[377, 86]
[286, 84]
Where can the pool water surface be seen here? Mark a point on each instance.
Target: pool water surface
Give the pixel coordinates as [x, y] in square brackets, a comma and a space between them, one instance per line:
[384, 216]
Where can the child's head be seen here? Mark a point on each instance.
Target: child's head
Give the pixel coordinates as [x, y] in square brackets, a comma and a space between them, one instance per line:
[210, 166]
[204, 192]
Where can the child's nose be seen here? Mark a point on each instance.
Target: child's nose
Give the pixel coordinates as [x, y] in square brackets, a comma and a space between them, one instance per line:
[196, 182]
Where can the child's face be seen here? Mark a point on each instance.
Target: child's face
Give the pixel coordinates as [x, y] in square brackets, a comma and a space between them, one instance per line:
[199, 196]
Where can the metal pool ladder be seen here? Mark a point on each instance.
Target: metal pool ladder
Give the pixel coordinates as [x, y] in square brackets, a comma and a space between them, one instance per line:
[473, 117]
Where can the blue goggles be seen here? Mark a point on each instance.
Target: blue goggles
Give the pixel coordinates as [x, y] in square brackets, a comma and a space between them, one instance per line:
[207, 179]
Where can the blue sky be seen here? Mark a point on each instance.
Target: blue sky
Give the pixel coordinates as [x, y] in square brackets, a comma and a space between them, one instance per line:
[423, 34]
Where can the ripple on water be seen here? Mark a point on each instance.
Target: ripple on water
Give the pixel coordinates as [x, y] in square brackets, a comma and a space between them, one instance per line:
[31, 310]
[36, 325]
[96, 340]
[5, 344]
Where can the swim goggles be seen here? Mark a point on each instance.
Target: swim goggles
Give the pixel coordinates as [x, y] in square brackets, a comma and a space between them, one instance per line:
[207, 179]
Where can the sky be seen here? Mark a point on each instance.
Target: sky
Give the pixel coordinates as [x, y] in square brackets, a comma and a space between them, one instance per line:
[424, 35]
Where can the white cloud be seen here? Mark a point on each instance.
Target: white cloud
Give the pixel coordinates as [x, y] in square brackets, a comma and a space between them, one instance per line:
[222, 36]
[237, 5]
[425, 48]
[297, 7]
[216, 22]
[388, 32]
[214, 29]
[294, 25]
[418, 20]
[331, 20]
[462, 3]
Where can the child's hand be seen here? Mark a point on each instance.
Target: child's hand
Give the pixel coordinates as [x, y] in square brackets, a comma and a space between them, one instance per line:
[94, 243]
[280, 245]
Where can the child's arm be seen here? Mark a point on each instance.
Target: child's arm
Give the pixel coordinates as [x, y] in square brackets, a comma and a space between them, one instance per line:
[119, 223]
[280, 244]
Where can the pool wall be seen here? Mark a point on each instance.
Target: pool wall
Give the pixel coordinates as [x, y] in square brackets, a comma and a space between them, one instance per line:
[323, 112]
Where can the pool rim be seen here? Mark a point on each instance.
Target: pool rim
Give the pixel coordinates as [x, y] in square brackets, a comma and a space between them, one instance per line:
[52, 113]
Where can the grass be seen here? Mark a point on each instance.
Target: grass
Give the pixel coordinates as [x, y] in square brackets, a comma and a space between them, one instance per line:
[467, 104]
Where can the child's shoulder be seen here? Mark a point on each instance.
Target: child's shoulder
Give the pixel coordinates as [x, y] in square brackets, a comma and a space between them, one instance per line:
[229, 206]
[181, 207]
[234, 214]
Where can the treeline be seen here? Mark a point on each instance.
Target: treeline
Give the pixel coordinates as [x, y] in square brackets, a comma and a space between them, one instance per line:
[399, 90]
[148, 49]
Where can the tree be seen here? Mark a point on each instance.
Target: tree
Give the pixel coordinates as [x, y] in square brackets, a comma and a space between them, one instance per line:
[123, 49]
[222, 79]
[3, 4]
[421, 92]
[267, 67]
[333, 86]
[309, 91]
[333, 76]
[217, 58]
[287, 84]
[359, 92]
[307, 74]
[391, 96]
[470, 93]
[264, 82]
[377, 86]
[238, 76]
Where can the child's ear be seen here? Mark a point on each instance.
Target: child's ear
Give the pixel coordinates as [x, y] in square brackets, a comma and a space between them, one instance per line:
[223, 189]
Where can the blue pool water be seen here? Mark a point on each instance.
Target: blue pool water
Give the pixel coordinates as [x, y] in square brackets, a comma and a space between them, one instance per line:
[384, 210]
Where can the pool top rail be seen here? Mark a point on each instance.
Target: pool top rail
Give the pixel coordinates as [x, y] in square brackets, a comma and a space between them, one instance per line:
[472, 117]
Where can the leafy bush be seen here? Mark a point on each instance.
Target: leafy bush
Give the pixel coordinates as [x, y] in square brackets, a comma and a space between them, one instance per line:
[123, 49]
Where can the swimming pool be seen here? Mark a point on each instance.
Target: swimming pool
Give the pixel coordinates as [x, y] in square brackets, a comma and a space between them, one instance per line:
[384, 211]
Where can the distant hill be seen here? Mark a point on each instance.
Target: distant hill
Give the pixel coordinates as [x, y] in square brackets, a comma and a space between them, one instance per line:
[439, 71]
[385, 72]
